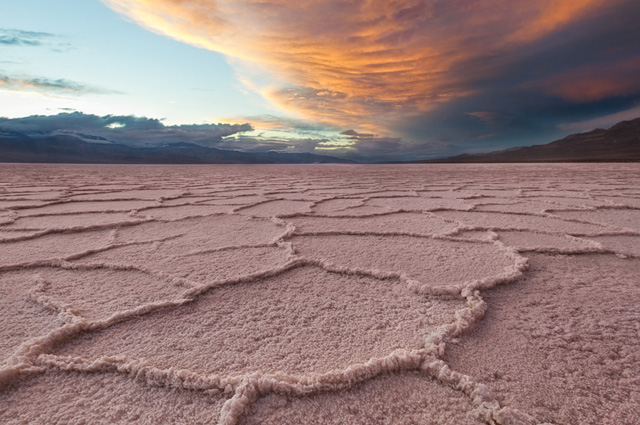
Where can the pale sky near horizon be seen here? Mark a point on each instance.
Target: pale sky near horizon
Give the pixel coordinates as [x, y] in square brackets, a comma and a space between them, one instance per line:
[402, 79]
[121, 67]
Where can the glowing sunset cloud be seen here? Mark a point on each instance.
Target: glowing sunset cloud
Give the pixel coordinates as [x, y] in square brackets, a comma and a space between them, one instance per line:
[365, 64]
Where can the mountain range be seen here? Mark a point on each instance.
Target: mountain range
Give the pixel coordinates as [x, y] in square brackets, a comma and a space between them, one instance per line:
[616, 144]
[620, 143]
[88, 149]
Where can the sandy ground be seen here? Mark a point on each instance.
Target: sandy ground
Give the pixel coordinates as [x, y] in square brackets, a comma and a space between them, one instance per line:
[323, 294]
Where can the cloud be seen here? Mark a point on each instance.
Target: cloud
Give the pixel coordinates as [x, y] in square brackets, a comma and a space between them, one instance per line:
[15, 37]
[434, 73]
[58, 86]
[341, 62]
[265, 144]
[124, 129]
[278, 123]
[490, 118]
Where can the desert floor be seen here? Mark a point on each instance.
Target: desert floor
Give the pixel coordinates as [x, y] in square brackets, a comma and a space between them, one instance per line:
[320, 294]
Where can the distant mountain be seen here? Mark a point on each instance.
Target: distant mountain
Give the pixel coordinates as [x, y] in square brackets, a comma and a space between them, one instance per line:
[17, 147]
[618, 143]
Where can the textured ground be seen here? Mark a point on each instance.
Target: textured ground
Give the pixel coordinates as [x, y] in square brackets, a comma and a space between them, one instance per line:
[322, 294]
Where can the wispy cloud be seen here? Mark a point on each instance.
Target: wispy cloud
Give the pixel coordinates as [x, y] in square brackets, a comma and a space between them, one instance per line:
[15, 37]
[22, 38]
[59, 86]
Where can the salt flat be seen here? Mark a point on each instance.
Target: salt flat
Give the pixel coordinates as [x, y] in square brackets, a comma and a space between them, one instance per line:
[320, 294]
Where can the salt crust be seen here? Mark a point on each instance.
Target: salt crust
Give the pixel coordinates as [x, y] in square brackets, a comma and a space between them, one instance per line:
[104, 398]
[328, 294]
[562, 344]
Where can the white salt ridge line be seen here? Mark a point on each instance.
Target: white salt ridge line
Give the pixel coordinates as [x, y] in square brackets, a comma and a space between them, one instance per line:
[61, 261]
[265, 383]
[9, 217]
[73, 229]
[332, 198]
[224, 248]
[107, 211]
[481, 397]
[377, 214]
[173, 220]
[65, 312]
[169, 278]
[11, 373]
[411, 284]
[290, 229]
[29, 350]
[382, 234]
[255, 204]
[234, 408]
[607, 226]
[117, 225]
[612, 230]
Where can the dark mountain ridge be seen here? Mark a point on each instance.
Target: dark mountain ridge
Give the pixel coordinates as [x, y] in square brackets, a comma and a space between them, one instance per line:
[620, 143]
[17, 147]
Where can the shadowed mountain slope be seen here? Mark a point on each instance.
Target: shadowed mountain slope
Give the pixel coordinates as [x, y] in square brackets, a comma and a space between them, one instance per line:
[618, 143]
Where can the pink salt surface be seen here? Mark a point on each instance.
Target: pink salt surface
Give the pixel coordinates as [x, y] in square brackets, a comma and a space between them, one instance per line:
[521, 206]
[183, 211]
[22, 318]
[532, 241]
[332, 205]
[286, 323]
[622, 244]
[72, 220]
[72, 207]
[51, 247]
[404, 399]
[151, 194]
[197, 267]
[97, 293]
[563, 343]
[506, 221]
[275, 208]
[625, 218]
[104, 399]
[359, 211]
[412, 223]
[424, 260]
[316, 319]
[415, 203]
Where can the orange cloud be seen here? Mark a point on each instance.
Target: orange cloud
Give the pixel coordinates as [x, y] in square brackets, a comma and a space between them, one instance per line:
[362, 64]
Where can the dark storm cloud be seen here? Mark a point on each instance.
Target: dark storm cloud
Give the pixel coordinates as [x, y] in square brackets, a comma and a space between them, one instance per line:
[125, 129]
[585, 71]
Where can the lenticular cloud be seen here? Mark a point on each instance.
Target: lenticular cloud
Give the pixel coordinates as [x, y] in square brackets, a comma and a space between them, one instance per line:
[350, 63]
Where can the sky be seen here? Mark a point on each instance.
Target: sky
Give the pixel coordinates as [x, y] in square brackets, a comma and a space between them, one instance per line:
[370, 80]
